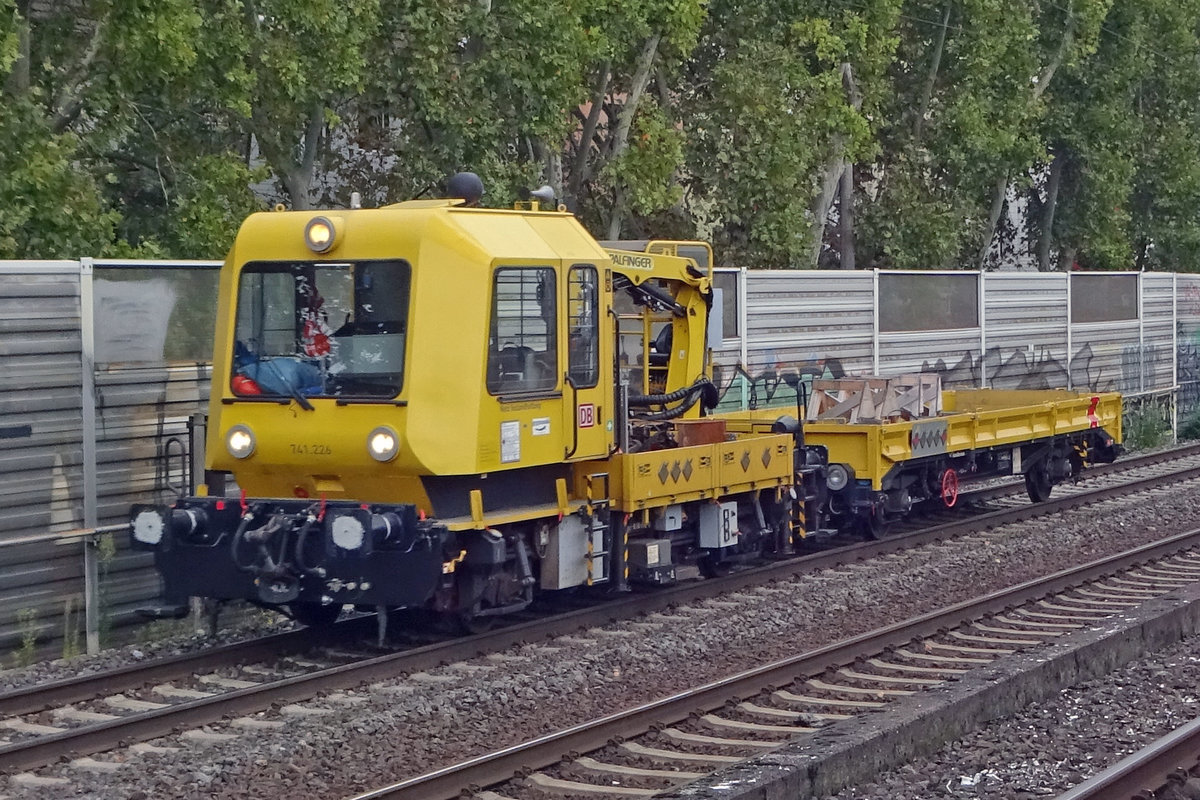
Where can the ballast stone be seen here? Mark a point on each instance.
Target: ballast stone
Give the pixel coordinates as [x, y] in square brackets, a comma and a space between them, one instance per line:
[856, 750]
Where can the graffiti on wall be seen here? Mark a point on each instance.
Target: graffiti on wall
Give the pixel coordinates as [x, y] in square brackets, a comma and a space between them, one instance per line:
[1115, 368]
[1039, 368]
[1187, 360]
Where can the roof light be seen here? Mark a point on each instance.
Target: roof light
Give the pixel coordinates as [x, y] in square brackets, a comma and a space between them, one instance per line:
[320, 234]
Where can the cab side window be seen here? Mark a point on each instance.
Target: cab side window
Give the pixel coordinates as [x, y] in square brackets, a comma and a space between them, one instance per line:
[523, 338]
[583, 326]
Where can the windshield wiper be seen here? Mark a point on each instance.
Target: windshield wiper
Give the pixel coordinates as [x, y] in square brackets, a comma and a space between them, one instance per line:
[300, 399]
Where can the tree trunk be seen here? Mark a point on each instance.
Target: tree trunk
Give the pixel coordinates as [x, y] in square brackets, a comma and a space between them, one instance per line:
[581, 166]
[295, 177]
[1056, 60]
[993, 220]
[641, 78]
[935, 64]
[552, 157]
[1043, 83]
[1053, 181]
[846, 217]
[1066, 262]
[832, 173]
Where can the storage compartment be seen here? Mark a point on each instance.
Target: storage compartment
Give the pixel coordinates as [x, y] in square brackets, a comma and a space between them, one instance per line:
[689, 432]
[565, 563]
[649, 553]
[718, 525]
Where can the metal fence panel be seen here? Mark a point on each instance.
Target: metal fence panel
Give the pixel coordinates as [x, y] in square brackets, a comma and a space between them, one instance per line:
[1158, 331]
[41, 441]
[811, 324]
[1187, 346]
[153, 348]
[1107, 356]
[1025, 331]
[78, 448]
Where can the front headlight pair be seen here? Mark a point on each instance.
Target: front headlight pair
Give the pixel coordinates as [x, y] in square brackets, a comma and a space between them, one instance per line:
[382, 443]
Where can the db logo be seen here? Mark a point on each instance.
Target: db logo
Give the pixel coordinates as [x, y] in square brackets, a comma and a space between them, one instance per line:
[587, 415]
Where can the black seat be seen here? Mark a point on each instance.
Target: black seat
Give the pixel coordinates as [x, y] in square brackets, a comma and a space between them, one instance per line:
[660, 351]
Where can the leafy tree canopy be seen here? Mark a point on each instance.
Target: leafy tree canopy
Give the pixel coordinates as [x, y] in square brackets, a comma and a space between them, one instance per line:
[793, 133]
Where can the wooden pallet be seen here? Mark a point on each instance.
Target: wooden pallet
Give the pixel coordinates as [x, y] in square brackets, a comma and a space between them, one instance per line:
[875, 399]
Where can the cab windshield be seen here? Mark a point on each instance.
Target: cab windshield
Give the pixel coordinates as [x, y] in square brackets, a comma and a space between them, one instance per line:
[315, 329]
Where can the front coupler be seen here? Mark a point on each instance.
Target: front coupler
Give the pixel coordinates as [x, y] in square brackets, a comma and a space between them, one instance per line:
[275, 552]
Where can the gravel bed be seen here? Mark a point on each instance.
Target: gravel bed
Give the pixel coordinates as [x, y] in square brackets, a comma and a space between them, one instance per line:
[463, 709]
[1059, 742]
[160, 639]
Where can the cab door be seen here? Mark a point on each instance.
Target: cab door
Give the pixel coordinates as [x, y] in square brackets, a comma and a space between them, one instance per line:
[586, 397]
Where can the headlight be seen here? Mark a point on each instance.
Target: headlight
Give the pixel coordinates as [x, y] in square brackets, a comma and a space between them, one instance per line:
[320, 235]
[383, 443]
[347, 532]
[148, 525]
[239, 441]
[836, 477]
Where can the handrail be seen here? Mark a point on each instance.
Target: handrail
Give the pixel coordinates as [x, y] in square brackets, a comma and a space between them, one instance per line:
[569, 381]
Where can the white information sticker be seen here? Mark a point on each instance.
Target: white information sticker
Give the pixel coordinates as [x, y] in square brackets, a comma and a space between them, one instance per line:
[510, 441]
[541, 426]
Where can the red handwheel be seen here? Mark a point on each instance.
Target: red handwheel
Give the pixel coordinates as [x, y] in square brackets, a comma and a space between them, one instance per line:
[949, 488]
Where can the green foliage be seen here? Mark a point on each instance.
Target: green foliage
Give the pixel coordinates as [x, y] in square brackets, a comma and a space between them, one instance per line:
[1190, 428]
[27, 625]
[71, 615]
[1145, 428]
[52, 208]
[106, 556]
[214, 197]
[648, 167]
[774, 108]
[161, 630]
[9, 40]
[138, 128]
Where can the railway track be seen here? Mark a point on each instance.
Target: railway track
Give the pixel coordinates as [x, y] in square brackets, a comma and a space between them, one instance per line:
[77, 717]
[1152, 772]
[749, 712]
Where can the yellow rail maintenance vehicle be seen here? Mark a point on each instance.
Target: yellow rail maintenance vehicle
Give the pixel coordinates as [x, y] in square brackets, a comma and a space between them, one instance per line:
[449, 408]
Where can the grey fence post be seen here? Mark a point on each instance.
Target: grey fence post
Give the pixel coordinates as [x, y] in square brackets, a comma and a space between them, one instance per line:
[91, 571]
[91, 592]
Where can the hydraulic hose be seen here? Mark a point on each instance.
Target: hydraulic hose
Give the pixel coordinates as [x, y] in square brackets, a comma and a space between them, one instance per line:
[663, 399]
[236, 540]
[671, 413]
[689, 395]
[301, 541]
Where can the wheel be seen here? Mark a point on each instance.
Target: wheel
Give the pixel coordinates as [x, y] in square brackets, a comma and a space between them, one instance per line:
[949, 488]
[873, 526]
[711, 567]
[315, 615]
[1037, 484]
[470, 623]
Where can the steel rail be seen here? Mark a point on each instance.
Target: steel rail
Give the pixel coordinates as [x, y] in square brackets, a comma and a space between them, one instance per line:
[1145, 770]
[146, 725]
[1149, 460]
[42, 696]
[503, 765]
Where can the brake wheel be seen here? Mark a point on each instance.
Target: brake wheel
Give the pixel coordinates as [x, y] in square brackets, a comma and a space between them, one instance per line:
[949, 488]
